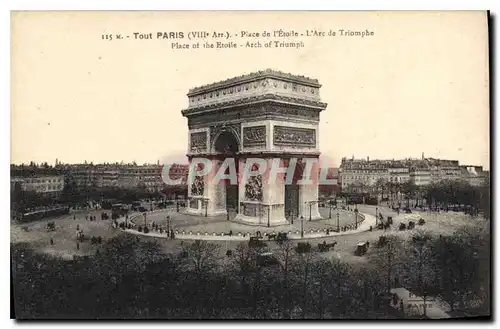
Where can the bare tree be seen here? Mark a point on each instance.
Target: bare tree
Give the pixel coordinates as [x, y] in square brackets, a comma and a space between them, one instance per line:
[422, 274]
[284, 254]
[387, 259]
[244, 261]
[304, 266]
[202, 256]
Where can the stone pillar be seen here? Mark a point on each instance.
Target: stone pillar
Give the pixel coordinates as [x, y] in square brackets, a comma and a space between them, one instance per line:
[308, 193]
[215, 192]
[274, 195]
[193, 204]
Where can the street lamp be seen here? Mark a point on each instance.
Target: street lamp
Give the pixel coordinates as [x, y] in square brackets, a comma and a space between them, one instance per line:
[206, 206]
[268, 215]
[291, 214]
[330, 215]
[310, 208]
[145, 214]
[301, 226]
[376, 216]
[338, 222]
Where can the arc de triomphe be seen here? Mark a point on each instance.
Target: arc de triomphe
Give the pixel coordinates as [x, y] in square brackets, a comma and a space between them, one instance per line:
[267, 115]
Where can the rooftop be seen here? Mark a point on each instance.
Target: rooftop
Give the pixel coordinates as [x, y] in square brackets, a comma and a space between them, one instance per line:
[269, 73]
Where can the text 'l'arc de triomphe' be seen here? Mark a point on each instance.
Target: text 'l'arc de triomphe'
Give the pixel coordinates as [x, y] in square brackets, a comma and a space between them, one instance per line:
[267, 114]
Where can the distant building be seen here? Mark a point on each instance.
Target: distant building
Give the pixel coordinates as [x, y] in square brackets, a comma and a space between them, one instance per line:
[147, 177]
[47, 185]
[413, 305]
[364, 173]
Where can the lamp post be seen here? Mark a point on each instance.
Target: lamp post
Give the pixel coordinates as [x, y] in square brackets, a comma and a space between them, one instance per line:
[291, 214]
[330, 215]
[338, 222]
[145, 214]
[206, 206]
[268, 215]
[376, 216]
[356, 215]
[301, 226]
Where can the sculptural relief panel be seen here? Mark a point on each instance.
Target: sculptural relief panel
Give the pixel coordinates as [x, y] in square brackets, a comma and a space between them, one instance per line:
[253, 188]
[198, 142]
[294, 137]
[254, 136]
[198, 186]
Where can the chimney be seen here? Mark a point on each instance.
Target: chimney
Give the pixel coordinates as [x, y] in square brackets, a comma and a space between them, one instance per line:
[368, 159]
[423, 156]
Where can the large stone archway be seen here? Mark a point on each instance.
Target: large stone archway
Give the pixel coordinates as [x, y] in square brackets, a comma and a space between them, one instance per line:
[267, 115]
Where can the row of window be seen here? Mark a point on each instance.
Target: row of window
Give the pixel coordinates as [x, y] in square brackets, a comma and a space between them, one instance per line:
[42, 181]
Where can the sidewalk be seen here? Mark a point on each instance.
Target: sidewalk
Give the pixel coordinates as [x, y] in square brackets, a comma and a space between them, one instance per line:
[238, 236]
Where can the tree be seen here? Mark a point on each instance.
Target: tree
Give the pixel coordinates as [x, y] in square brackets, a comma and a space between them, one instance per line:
[303, 269]
[464, 260]
[380, 186]
[284, 254]
[202, 257]
[409, 189]
[388, 259]
[17, 198]
[422, 275]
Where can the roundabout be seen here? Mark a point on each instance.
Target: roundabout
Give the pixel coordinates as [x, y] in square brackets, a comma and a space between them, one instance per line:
[187, 226]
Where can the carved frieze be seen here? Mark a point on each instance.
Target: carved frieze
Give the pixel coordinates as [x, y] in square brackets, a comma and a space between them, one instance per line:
[254, 136]
[198, 142]
[294, 137]
[255, 111]
[253, 188]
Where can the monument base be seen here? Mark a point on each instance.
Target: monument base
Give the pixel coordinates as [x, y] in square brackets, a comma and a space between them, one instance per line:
[256, 221]
[202, 212]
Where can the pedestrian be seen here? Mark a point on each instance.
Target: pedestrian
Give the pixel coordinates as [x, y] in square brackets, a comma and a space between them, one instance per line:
[51, 242]
[74, 217]
[77, 246]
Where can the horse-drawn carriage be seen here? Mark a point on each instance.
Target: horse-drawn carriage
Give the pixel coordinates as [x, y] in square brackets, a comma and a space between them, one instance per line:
[324, 247]
[303, 247]
[361, 248]
[279, 237]
[256, 242]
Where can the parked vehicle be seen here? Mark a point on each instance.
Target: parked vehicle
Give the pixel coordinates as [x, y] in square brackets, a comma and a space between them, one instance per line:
[361, 248]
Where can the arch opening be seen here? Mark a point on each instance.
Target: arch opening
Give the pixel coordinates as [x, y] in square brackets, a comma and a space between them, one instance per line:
[227, 144]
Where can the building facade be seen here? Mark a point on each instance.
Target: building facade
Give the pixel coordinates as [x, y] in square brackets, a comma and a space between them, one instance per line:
[364, 173]
[46, 185]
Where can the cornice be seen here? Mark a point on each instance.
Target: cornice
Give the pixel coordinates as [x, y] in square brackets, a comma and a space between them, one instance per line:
[269, 73]
[252, 100]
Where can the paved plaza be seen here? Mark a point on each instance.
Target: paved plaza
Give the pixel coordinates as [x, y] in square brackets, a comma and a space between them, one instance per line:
[217, 224]
[36, 235]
